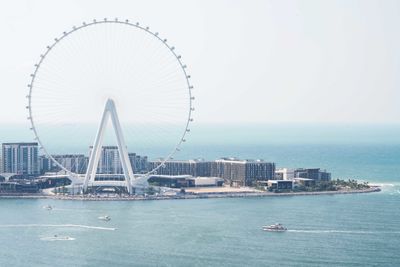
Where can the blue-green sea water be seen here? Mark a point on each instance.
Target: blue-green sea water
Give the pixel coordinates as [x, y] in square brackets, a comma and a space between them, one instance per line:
[339, 230]
[336, 230]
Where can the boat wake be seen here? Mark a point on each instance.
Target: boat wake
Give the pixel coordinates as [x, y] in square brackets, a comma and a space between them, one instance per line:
[343, 232]
[57, 238]
[396, 192]
[58, 226]
[74, 210]
[386, 185]
[388, 188]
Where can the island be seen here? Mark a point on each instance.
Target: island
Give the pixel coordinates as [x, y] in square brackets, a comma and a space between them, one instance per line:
[174, 179]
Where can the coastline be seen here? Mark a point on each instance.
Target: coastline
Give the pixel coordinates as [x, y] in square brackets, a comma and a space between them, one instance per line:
[189, 196]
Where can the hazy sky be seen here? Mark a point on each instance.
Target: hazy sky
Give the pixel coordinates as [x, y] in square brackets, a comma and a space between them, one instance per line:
[250, 61]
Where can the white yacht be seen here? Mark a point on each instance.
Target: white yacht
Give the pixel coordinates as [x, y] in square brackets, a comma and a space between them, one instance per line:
[105, 218]
[274, 228]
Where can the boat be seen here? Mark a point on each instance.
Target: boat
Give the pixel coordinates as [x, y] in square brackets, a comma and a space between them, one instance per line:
[57, 238]
[274, 228]
[48, 207]
[105, 218]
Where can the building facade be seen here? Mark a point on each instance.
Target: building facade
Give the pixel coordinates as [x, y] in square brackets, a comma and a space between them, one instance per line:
[139, 163]
[280, 184]
[76, 163]
[20, 158]
[235, 172]
[197, 167]
[203, 168]
[238, 172]
[45, 164]
[109, 162]
[313, 173]
[284, 174]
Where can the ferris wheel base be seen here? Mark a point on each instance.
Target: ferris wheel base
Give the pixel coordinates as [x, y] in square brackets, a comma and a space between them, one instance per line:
[109, 112]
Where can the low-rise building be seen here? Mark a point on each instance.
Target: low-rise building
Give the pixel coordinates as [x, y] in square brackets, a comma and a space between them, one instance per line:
[304, 181]
[206, 181]
[22, 186]
[280, 184]
[180, 181]
[173, 181]
[312, 173]
[49, 181]
[284, 174]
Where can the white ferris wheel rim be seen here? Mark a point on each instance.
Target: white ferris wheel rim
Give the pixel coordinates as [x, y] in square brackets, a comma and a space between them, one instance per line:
[137, 25]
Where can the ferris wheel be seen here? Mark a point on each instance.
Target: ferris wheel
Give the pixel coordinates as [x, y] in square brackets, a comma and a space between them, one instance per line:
[113, 72]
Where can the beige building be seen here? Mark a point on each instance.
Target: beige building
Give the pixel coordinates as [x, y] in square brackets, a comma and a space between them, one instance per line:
[238, 172]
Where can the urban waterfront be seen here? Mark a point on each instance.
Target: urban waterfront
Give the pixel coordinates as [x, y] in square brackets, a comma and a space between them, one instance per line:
[344, 230]
[212, 133]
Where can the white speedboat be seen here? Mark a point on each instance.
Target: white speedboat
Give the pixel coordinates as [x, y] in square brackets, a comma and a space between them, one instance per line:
[274, 228]
[48, 207]
[57, 238]
[105, 218]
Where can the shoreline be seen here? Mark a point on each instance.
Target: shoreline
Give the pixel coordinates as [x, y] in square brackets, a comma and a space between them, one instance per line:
[190, 196]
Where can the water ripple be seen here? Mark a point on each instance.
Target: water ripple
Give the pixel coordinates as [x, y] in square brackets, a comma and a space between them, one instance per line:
[343, 232]
[58, 225]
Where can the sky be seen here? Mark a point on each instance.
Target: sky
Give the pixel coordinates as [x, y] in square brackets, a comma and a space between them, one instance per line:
[250, 61]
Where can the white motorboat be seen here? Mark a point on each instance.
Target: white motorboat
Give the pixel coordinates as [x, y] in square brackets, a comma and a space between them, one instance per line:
[48, 207]
[274, 228]
[105, 218]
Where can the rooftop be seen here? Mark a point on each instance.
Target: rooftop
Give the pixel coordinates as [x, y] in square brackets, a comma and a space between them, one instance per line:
[22, 143]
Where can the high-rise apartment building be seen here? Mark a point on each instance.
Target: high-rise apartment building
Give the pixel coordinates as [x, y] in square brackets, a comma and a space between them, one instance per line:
[45, 164]
[139, 163]
[109, 162]
[76, 163]
[20, 158]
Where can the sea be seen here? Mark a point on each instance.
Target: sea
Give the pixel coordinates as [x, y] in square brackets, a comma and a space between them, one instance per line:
[323, 230]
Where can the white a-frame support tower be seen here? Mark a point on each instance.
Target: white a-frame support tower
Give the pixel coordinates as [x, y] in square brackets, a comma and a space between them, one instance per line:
[109, 110]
